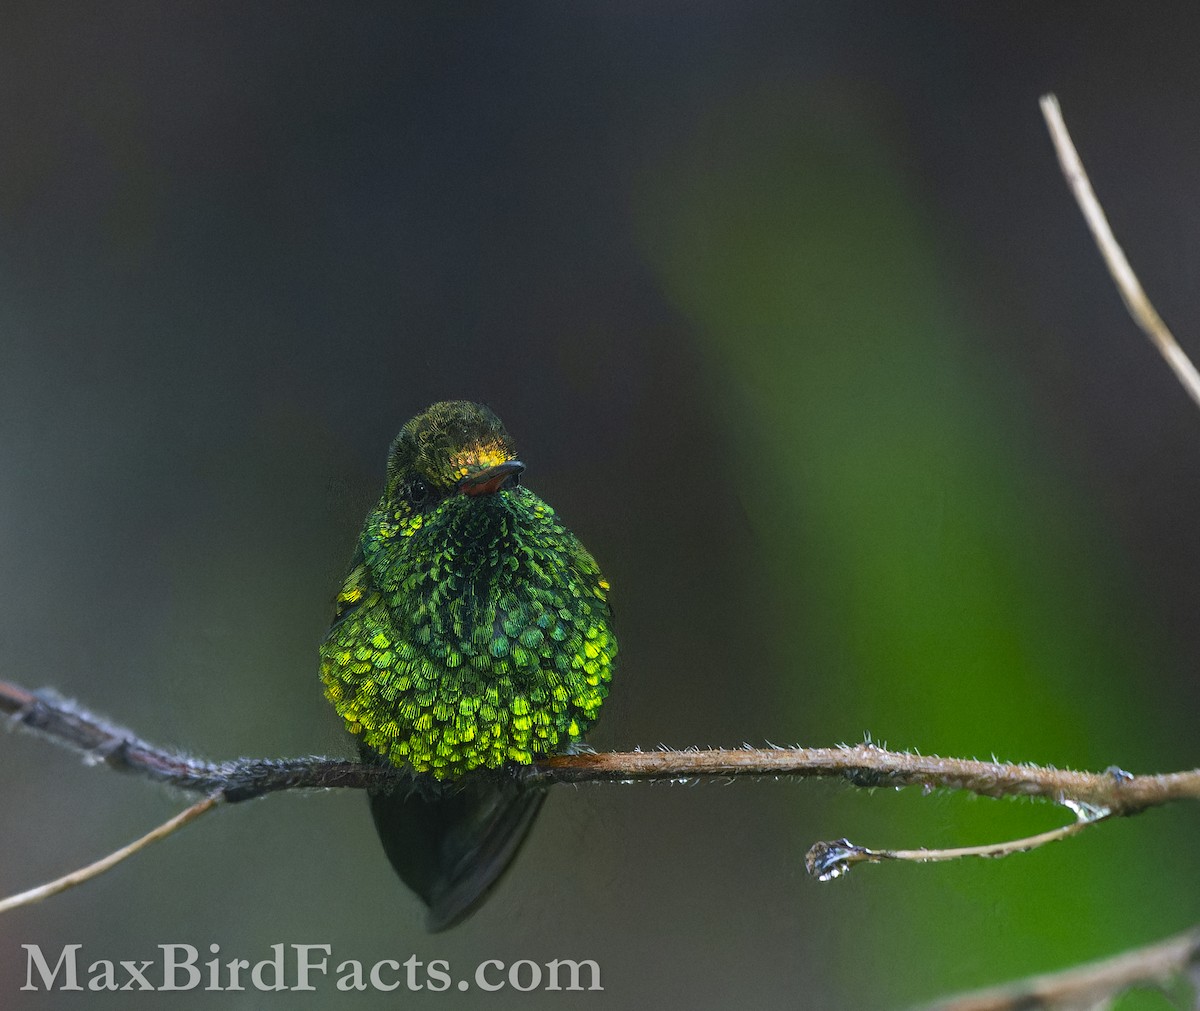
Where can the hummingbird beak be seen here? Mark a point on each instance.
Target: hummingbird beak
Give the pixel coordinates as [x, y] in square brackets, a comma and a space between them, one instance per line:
[489, 479]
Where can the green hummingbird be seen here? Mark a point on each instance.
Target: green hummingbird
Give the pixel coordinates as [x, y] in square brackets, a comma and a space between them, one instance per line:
[473, 630]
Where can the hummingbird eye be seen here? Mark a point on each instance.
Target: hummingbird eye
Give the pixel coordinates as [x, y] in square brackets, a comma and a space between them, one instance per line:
[417, 492]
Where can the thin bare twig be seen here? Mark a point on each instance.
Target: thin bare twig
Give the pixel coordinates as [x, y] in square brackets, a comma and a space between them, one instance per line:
[1087, 986]
[1091, 985]
[107, 863]
[828, 860]
[1139, 305]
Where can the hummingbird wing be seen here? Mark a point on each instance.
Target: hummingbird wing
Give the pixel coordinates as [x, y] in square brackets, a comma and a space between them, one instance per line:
[492, 822]
[357, 590]
[451, 843]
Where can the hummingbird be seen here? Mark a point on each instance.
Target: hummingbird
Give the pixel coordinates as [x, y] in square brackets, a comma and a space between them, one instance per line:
[472, 634]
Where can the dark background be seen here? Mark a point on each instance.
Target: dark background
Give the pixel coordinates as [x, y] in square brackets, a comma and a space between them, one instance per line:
[793, 321]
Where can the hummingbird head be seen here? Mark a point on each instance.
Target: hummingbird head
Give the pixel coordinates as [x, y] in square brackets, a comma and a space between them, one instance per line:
[454, 447]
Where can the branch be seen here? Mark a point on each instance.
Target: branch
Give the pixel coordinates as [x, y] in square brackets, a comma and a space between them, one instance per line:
[107, 863]
[1086, 986]
[1112, 792]
[1093, 797]
[1139, 305]
[826, 861]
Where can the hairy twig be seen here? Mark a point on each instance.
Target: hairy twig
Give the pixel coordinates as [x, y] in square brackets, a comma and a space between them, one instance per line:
[863, 765]
[1091, 796]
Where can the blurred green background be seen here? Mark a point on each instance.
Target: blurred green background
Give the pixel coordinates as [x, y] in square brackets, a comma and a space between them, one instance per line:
[793, 321]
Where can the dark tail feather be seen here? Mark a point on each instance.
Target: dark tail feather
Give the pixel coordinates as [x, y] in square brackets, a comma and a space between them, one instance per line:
[451, 843]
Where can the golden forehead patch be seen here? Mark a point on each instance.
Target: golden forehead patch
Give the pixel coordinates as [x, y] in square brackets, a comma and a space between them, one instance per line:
[487, 454]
